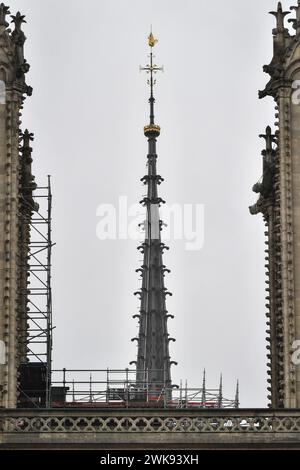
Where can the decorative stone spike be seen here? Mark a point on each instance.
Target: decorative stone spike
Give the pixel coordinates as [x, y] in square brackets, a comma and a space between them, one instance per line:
[280, 15]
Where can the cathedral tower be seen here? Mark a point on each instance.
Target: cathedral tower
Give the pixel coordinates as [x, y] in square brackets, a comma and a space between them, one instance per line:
[279, 202]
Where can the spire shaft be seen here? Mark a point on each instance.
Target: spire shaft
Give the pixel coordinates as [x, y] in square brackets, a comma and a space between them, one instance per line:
[152, 99]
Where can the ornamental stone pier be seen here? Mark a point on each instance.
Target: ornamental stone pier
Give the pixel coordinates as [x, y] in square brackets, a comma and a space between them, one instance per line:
[13, 90]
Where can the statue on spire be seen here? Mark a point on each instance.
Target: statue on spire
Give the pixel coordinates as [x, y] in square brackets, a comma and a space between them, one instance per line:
[4, 10]
[265, 188]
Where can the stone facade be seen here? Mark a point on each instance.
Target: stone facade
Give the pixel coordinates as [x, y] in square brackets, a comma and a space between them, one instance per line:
[279, 202]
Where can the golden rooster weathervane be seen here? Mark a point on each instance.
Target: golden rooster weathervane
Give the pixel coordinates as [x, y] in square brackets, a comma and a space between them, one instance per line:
[151, 40]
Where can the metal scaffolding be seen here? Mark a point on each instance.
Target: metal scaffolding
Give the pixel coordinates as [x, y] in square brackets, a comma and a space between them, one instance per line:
[118, 388]
[38, 293]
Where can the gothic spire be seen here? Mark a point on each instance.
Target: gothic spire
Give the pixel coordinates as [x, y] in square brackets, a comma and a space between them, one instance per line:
[153, 359]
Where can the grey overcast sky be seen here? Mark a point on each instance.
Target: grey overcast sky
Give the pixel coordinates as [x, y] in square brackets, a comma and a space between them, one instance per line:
[87, 112]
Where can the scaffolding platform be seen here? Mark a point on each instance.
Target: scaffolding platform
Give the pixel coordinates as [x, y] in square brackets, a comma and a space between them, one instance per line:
[118, 388]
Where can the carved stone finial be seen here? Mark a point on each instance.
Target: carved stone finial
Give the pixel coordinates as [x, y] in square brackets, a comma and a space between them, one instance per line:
[18, 20]
[18, 35]
[280, 15]
[27, 178]
[4, 10]
[27, 138]
[270, 139]
[265, 188]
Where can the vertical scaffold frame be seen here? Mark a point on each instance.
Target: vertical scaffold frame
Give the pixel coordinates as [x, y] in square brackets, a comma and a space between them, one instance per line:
[39, 292]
